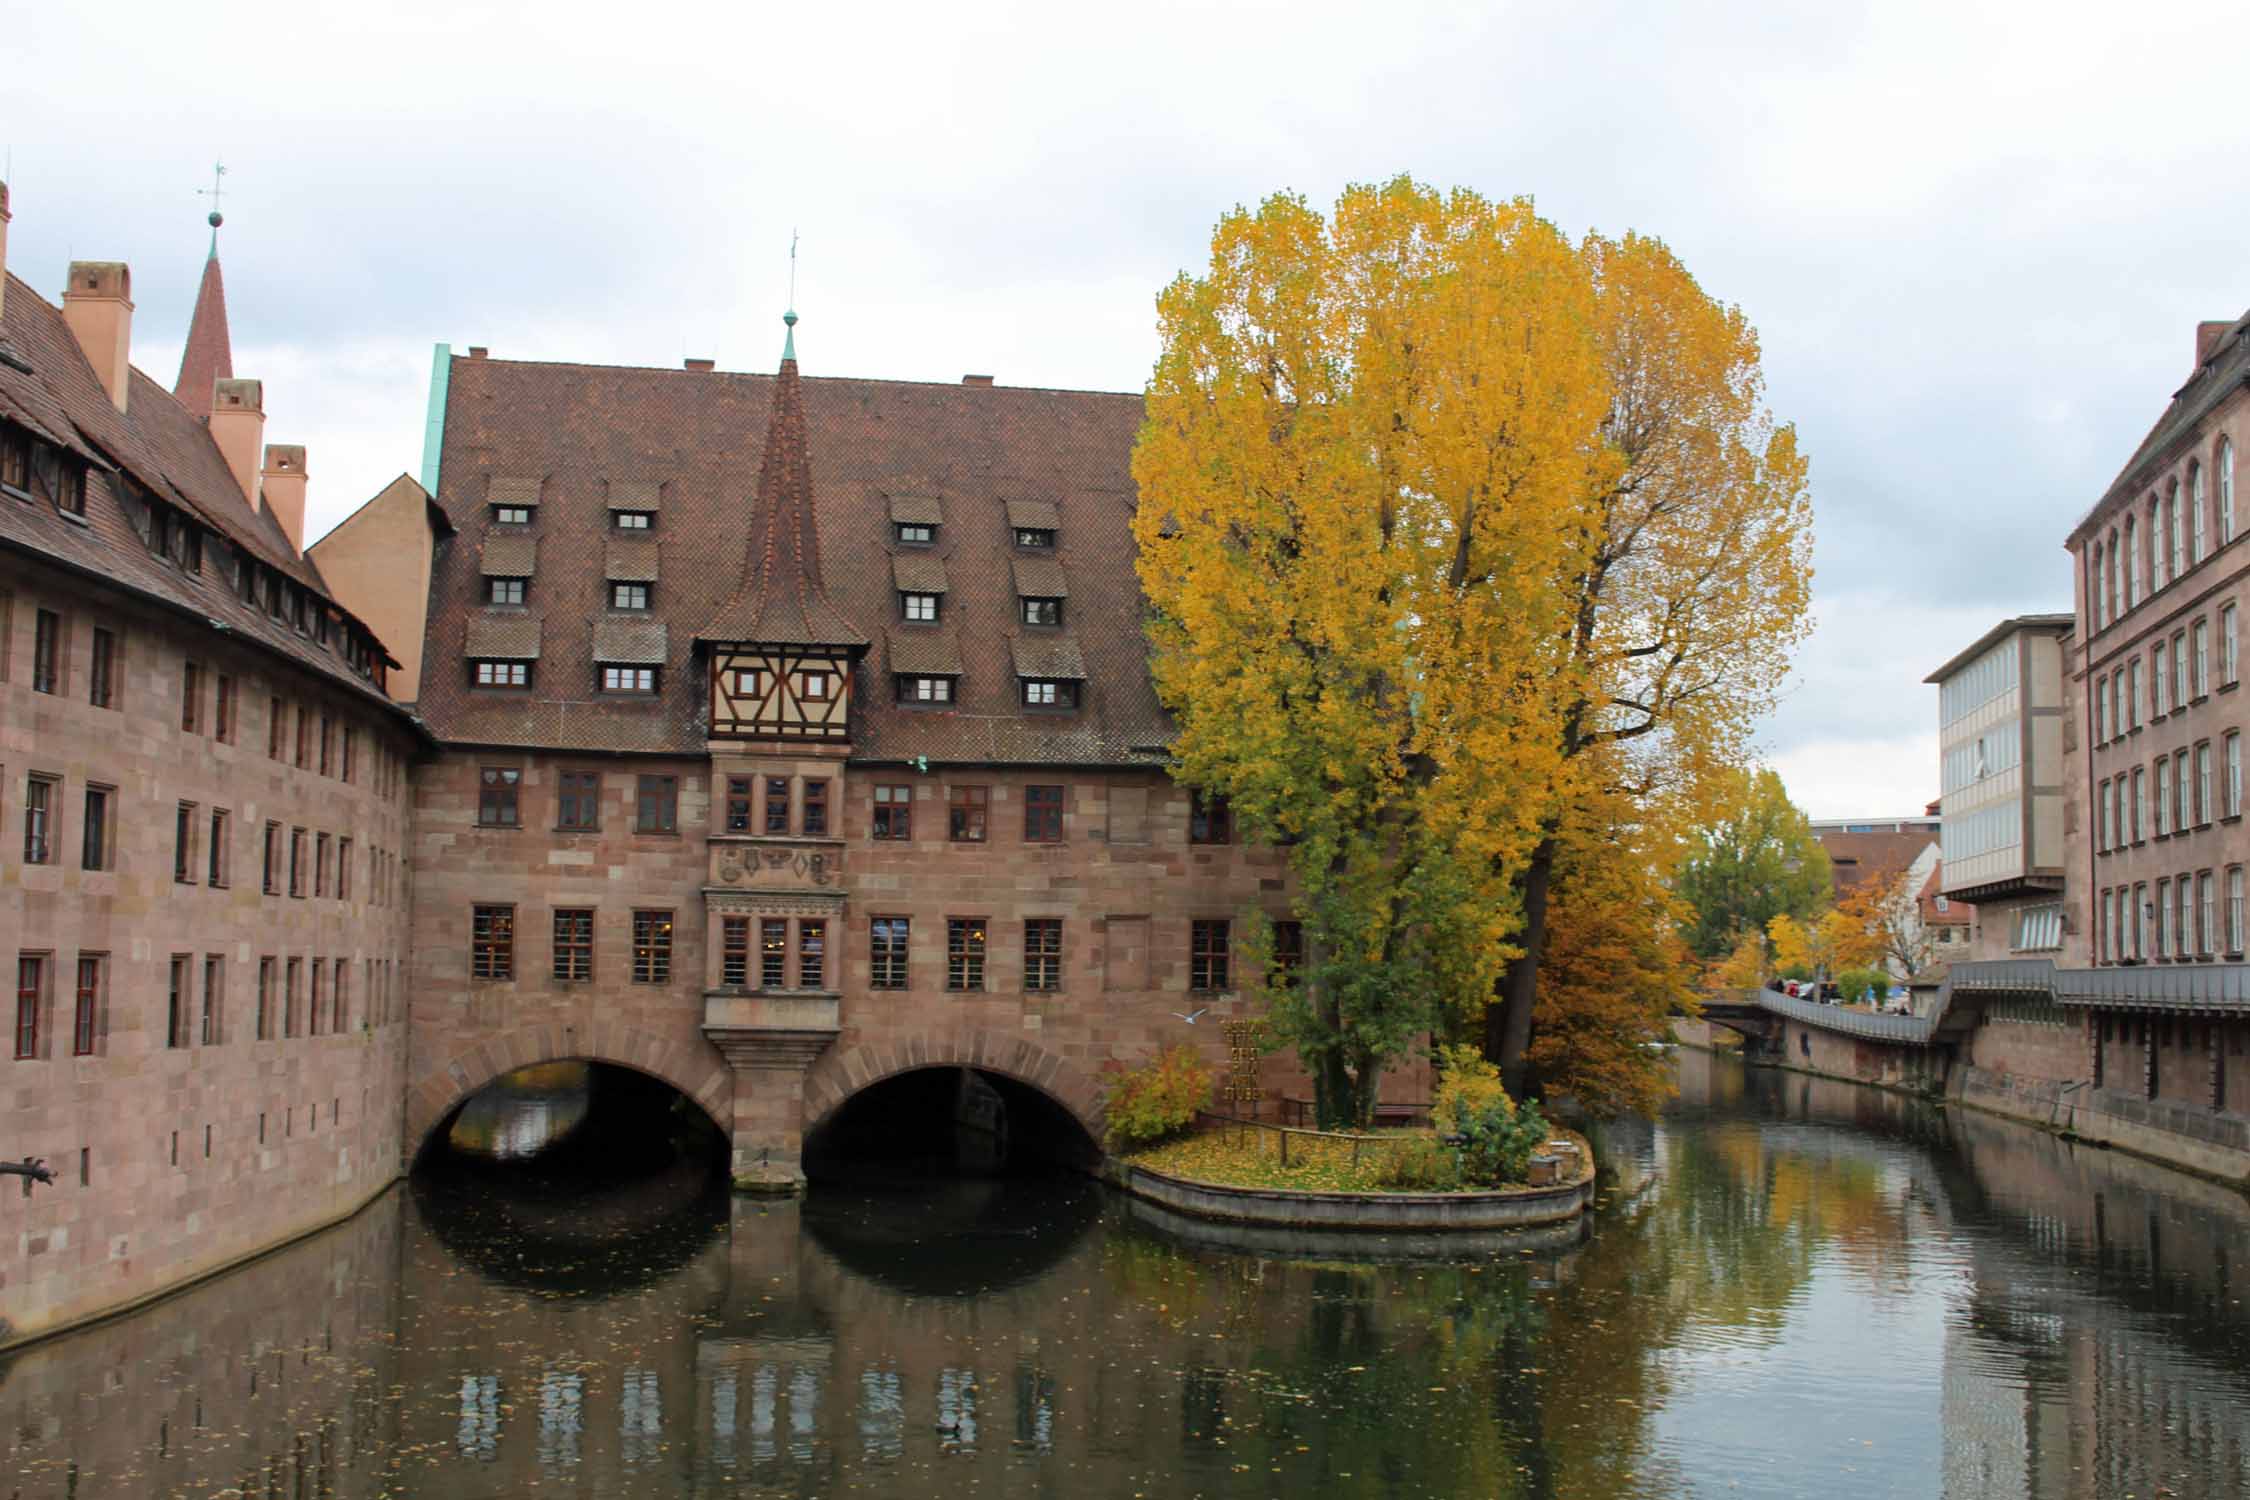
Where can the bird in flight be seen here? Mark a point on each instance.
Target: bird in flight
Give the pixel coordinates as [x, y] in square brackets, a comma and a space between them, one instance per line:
[1191, 1016]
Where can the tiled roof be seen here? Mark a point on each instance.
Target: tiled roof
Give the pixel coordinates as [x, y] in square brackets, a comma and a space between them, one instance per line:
[509, 637]
[918, 573]
[2223, 375]
[632, 559]
[1033, 515]
[918, 510]
[509, 554]
[1039, 578]
[924, 653]
[635, 494]
[631, 640]
[1854, 857]
[164, 448]
[870, 444]
[209, 354]
[1047, 656]
[513, 489]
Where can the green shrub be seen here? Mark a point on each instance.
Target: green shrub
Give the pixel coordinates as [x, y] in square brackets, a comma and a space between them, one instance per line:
[1497, 1135]
[1158, 1098]
[1421, 1164]
[1855, 983]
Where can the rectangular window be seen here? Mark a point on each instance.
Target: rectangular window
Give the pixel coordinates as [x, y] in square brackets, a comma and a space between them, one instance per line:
[2202, 637]
[343, 869]
[220, 856]
[628, 679]
[915, 533]
[2230, 653]
[965, 808]
[1042, 611]
[265, 999]
[101, 682]
[750, 682]
[964, 953]
[2163, 819]
[349, 737]
[773, 953]
[191, 696]
[272, 880]
[2203, 812]
[320, 864]
[633, 520]
[46, 652]
[657, 805]
[213, 991]
[816, 809]
[492, 942]
[2156, 680]
[738, 804]
[341, 1021]
[503, 590]
[894, 812]
[812, 954]
[273, 728]
[2139, 818]
[777, 804]
[1042, 953]
[2180, 692]
[496, 796]
[574, 944]
[652, 947]
[628, 596]
[1042, 814]
[183, 843]
[93, 847]
[2183, 935]
[38, 820]
[1035, 538]
[1289, 951]
[919, 609]
[304, 737]
[31, 996]
[317, 1022]
[86, 1007]
[2207, 914]
[887, 953]
[176, 1006]
[2183, 811]
[812, 686]
[734, 950]
[1210, 820]
[492, 673]
[2234, 774]
[511, 515]
[927, 690]
[2234, 909]
[15, 460]
[222, 722]
[579, 801]
[1207, 954]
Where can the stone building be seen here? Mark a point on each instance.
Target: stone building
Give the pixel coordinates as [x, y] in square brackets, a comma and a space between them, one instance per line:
[203, 821]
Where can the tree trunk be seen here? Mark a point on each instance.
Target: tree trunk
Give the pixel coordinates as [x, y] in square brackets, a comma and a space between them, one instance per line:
[1332, 1092]
[1507, 1025]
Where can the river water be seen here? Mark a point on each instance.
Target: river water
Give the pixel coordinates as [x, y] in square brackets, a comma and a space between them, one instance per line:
[1791, 1287]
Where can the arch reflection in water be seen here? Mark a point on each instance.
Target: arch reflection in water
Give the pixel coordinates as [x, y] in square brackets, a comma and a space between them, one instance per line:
[943, 1120]
[1789, 1290]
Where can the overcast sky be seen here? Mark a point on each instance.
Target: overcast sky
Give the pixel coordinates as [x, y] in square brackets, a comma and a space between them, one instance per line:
[1974, 238]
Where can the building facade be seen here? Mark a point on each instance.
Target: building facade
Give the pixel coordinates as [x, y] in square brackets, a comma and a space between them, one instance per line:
[204, 889]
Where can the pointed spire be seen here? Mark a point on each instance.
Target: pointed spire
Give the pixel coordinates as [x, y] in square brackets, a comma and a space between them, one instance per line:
[781, 600]
[209, 355]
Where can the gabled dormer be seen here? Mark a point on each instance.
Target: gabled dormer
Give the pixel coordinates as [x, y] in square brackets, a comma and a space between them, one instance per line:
[779, 653]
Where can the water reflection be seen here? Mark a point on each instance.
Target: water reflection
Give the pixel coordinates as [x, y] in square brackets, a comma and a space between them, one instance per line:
[1792, 1287]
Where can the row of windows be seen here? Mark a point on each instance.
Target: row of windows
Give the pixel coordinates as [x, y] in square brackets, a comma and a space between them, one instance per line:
[513, 589]
[2176, 918]
[2184, 795]
[1978, 683]
[31, 468]
[916, 607]
[2179, 675]
[925, 534]
[2036, 929]
[210, 702]
[910, 689]
[2162, 541]
[757, 952]
[511, 672]
[520, 513]
[195, 1000]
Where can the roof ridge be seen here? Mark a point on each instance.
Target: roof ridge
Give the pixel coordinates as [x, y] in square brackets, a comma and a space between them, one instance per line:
[936, 385]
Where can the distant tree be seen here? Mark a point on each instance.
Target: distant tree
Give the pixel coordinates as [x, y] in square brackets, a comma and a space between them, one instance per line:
[1827, 945]
[1756, 861]
[1886, 905]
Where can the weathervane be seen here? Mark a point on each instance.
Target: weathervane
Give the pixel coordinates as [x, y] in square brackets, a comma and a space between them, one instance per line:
[789, 318]
[214, 192]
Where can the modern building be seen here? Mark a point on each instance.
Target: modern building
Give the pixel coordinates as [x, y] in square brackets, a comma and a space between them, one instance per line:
[2002, 779]
[204, 887]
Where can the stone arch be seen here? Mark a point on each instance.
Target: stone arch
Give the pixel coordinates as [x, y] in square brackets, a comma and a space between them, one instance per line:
[843, 1072]
[696, 1071]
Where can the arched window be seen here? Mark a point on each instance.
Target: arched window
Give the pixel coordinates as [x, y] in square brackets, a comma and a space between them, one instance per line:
[2110, 581]
[2132, 564]
[2094, 614]
[2175, 530]
[2226, 490]
[2159, 569]
[2195, 514]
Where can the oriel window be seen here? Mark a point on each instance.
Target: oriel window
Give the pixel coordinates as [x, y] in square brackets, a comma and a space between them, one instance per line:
[812, 954]
[773, 953]
[738, 804]
[777, 804]
[815, 821]
[734, 950]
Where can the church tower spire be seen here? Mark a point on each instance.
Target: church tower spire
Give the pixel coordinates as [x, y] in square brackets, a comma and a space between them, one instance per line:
[209, 355]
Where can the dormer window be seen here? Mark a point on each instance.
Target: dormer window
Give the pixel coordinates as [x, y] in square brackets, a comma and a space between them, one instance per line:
[628, 679]
[915, 533]
[918, 609]
[632, 520]
[628, 596]
[496, 673]
[15, 460]
[504, 590]
[70, 487]
[511, 515]
[1042, 611]
[813, 686]
[1035, 538]
[1049, 692]
[750, 682]
[924, 688]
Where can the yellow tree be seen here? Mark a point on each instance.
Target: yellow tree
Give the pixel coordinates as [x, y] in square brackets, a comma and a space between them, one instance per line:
[1828, 944]
[1366, 439]
[1692, 582]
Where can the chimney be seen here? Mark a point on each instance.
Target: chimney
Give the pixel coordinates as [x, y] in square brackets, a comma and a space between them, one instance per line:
[3, 247]
[2207, 336]
[238, 424]
[703, 366]
[976, 380]
[478, 351]
[285, 491]
[98, 307]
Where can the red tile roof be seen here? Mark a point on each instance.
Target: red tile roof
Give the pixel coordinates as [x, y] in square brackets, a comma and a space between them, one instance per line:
[957, 456]
[209, 355]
